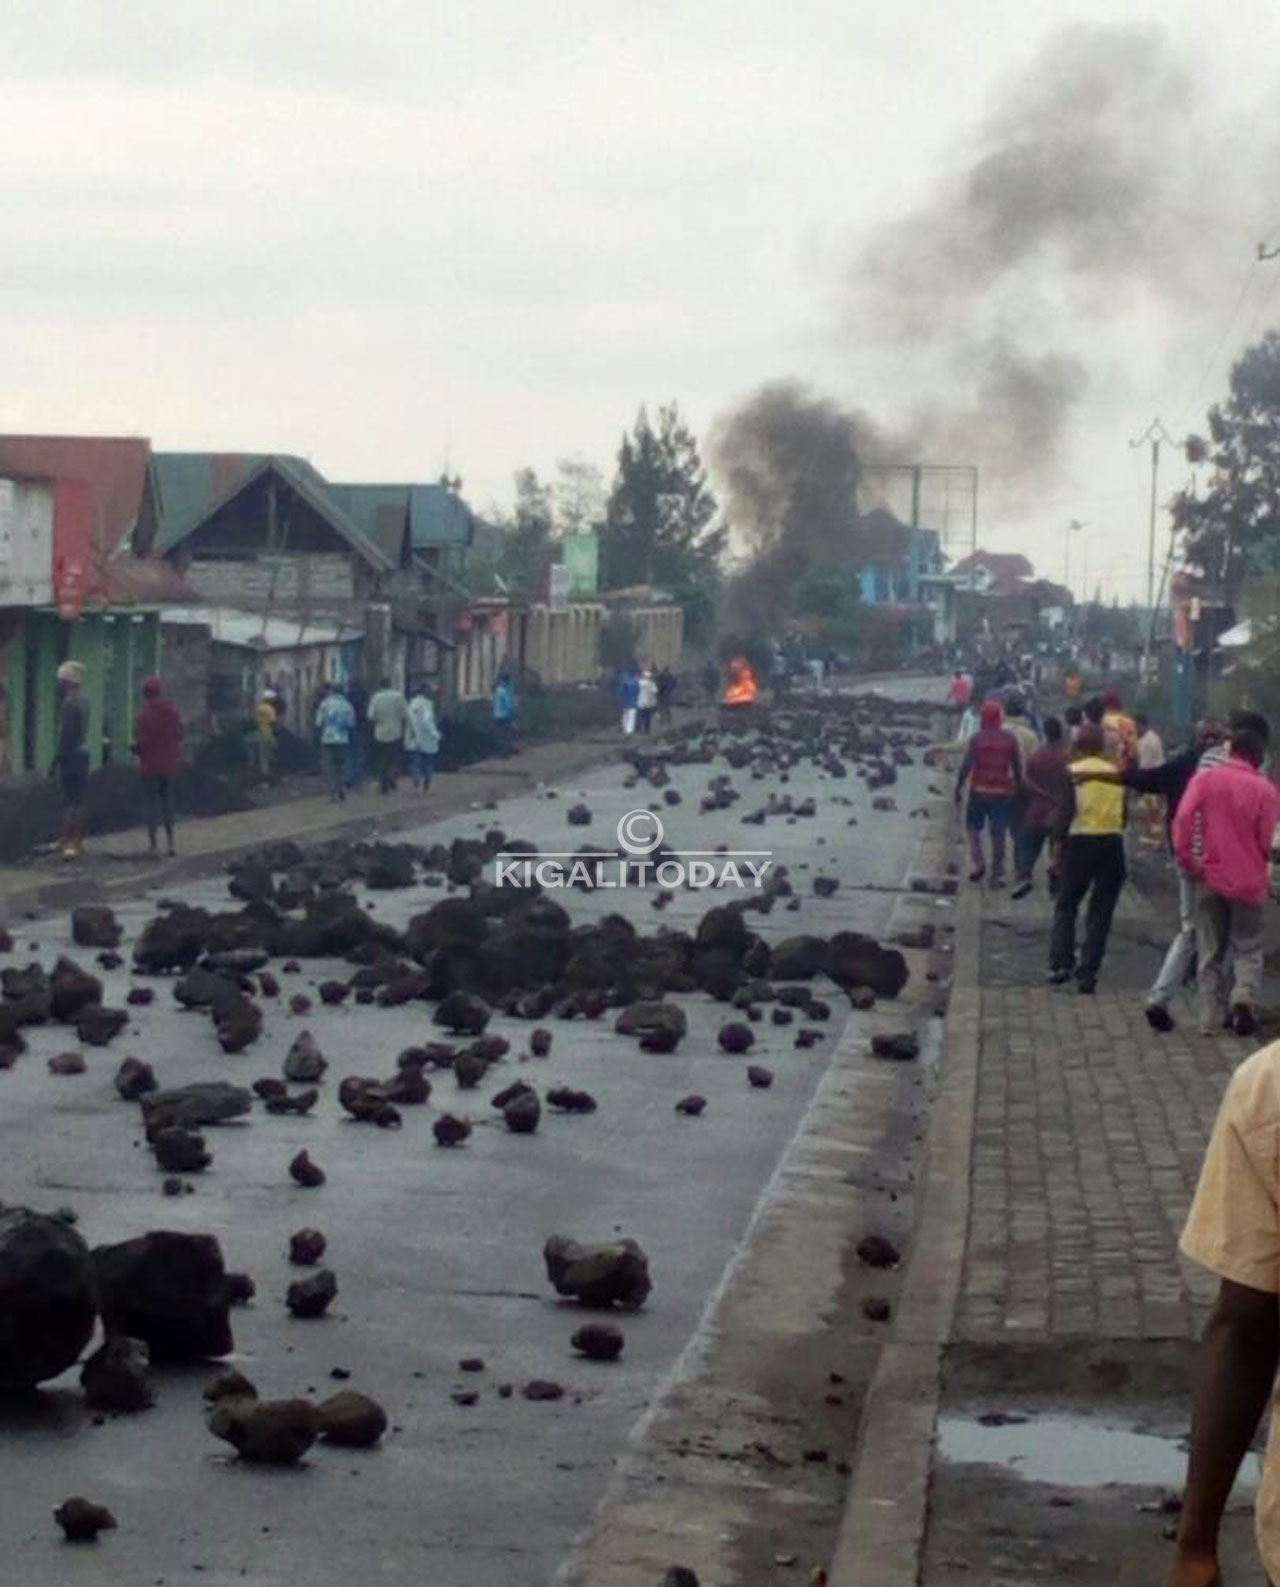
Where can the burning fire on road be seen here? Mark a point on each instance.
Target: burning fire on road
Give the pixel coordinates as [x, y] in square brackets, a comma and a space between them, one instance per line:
[743, 687]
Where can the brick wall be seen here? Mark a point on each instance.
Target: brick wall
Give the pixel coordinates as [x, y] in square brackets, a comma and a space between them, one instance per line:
[318, 582]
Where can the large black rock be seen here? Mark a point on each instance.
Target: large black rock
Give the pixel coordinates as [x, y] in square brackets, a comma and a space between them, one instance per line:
[47, 1306]
[854, 960]
[169, 1290]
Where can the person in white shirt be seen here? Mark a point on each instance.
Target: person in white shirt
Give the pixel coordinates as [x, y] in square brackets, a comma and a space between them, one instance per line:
[646, 700]
[388, 714]
[1150, 745]
[421, 737]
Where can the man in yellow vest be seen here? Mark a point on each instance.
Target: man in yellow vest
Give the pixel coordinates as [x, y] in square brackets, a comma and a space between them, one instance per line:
[1092, 822]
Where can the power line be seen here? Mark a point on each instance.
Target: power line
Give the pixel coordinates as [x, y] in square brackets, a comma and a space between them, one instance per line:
[1192, 401]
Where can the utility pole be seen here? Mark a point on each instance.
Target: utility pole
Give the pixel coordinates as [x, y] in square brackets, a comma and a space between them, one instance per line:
[1074, 527]
[1153, 435]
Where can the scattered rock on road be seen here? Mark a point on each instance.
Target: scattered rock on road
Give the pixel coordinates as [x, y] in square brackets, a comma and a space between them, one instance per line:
[306, 1173]
[229, 1385]
[312, 1297]
[169, 1290]
[47, 1297]
[542, 1389]
[95, 926]
[598, 1275]
[306, 1247]
[304, 1063]
[134, 1079]
[351, 1420]
[599, 1341]
[899, 1046]
[268, 1432]
[874, 1250]
[81, 1520]
[116, 1377]
[450, 1131]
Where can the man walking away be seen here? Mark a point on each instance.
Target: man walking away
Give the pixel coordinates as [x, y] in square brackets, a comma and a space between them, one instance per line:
[388, 713]
[358, 748]
[262, 740]
[71, 762]
[993, 768]
[504, 713]
[1222, 837]
[335, 723]
[157, 742]
[421, 737]
[1233, 1229]
[1092, 863]
[1045, 778]
[666, 695]
[1169, 782]
[959, 691]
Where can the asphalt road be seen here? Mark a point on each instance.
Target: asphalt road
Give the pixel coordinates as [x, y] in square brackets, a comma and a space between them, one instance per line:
[437, 1253]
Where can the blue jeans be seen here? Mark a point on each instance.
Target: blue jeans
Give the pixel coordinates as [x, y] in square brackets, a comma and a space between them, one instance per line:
[420, 763]
[357, 760]
[334, 759]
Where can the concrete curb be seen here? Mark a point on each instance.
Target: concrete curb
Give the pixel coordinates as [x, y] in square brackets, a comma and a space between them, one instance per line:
[882, 1534]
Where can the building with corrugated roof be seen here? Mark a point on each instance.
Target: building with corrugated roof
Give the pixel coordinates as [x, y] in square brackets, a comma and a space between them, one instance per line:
[73, 588]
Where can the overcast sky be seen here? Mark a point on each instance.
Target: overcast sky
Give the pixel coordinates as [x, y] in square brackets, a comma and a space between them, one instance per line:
[392, 233]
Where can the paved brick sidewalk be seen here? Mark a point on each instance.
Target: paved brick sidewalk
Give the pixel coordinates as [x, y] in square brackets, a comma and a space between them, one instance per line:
[1088, 1137]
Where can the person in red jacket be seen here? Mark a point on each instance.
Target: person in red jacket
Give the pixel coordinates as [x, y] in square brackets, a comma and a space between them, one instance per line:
[993, 766]
[157, 742]
[1222, 837]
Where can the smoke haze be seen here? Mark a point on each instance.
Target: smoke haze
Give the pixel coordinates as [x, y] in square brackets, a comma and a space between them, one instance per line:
[1090, 192]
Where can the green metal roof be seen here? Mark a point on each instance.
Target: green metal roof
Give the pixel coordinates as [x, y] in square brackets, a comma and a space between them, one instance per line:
[188, 486]
[438, 517]
[379, 512]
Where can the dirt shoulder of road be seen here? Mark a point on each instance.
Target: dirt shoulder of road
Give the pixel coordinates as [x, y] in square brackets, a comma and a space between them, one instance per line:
[119, 865]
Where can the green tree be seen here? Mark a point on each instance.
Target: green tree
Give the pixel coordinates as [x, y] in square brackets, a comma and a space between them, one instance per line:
[833, 596]
[659, 520]
[1232, 531]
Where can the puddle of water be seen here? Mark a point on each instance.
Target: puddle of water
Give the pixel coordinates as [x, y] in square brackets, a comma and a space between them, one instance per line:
[1076, 1452]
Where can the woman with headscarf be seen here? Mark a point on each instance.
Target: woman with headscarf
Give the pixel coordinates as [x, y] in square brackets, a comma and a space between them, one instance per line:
[157, 742]
[71, 762]
[992, 765]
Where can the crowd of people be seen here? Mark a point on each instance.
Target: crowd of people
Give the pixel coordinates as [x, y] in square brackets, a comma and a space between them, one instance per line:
[401, 731]
[643, 695]
[1081, 790]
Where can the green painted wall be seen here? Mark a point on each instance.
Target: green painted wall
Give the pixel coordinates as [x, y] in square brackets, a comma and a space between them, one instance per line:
[44, 658]
[118, 708]
[87, 643]
[15, 681]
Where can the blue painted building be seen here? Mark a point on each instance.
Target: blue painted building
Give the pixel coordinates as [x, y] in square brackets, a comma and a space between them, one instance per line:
[895, 559]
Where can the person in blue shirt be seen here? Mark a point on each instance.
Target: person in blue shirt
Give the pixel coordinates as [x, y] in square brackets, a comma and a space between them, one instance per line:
[504, 712]
[628, 697]
[335, 723]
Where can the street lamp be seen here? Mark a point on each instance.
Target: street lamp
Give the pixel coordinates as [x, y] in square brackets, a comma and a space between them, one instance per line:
[1074, 527]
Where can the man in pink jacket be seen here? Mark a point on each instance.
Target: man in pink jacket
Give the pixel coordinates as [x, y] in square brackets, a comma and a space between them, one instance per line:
[1222, 838]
